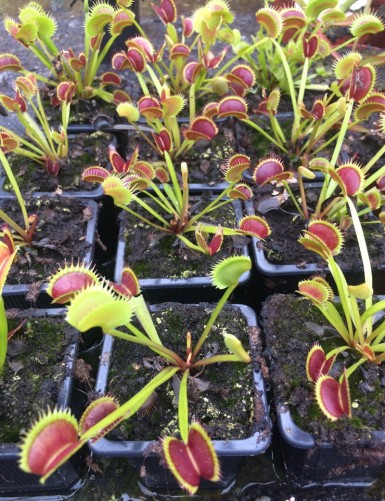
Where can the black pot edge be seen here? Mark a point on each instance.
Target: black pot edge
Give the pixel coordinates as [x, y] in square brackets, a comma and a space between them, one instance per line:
[158, 283]
[14, 295]
[235, 448]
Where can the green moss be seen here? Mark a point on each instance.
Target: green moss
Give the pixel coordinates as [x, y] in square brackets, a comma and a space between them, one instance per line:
[33, 373]
[225, 406]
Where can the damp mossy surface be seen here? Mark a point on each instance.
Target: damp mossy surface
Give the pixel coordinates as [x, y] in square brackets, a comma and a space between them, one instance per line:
[220, 395]
[35, 369]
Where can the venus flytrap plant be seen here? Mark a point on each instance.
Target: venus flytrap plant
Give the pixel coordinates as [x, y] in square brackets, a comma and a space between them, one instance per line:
[35, 30]
[356, 324]
[93, 302]
[304, 28]
[166, 205]
[190, 73]
[40, 143]
[162, 115]
[349, 176]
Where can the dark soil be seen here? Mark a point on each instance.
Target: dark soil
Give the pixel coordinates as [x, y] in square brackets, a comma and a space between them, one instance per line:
[85, 150]
[36, 365]
[290, 328]
[282, 246]
[154, 254]
[60, 236]
[204, 160]
[221, 397]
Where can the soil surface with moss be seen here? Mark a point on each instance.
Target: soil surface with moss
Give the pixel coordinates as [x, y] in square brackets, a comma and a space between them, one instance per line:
[156, 254]
[221, 396]
[60, 236]
[291, 326]
[35, 368]
[85, 150]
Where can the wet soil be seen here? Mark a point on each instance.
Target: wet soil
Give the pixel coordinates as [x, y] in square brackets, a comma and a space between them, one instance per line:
[155, 254]
[221, 396]
[291, 326]
[35, 368]
[60, 237]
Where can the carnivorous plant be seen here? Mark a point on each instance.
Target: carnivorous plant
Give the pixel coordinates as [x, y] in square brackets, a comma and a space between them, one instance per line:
[93, 302]
[169, 212]
[356, 325]
[40, 143]
[35, 30]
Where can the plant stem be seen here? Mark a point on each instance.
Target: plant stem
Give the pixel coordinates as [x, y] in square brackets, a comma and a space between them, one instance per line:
[3, 335]
[212, 319]
[19, 197]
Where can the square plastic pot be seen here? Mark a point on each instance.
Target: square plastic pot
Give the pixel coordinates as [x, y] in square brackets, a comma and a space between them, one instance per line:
[308, 463]
[230, 452]
[181, 289]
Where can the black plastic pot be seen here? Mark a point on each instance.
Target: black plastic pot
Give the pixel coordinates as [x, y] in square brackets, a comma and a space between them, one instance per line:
[15, 296]
[354, 456]
[13, 480]
[309, 464]
[285, 277]
[163, 289]
[230, 452]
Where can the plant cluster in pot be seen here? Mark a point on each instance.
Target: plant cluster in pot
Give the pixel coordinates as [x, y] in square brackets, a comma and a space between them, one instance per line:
[299, 202]
[45, 159]
[330, 416]
[160, 219]
[173, 111]
[63, 73]
[176, 365]
[37, 358]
